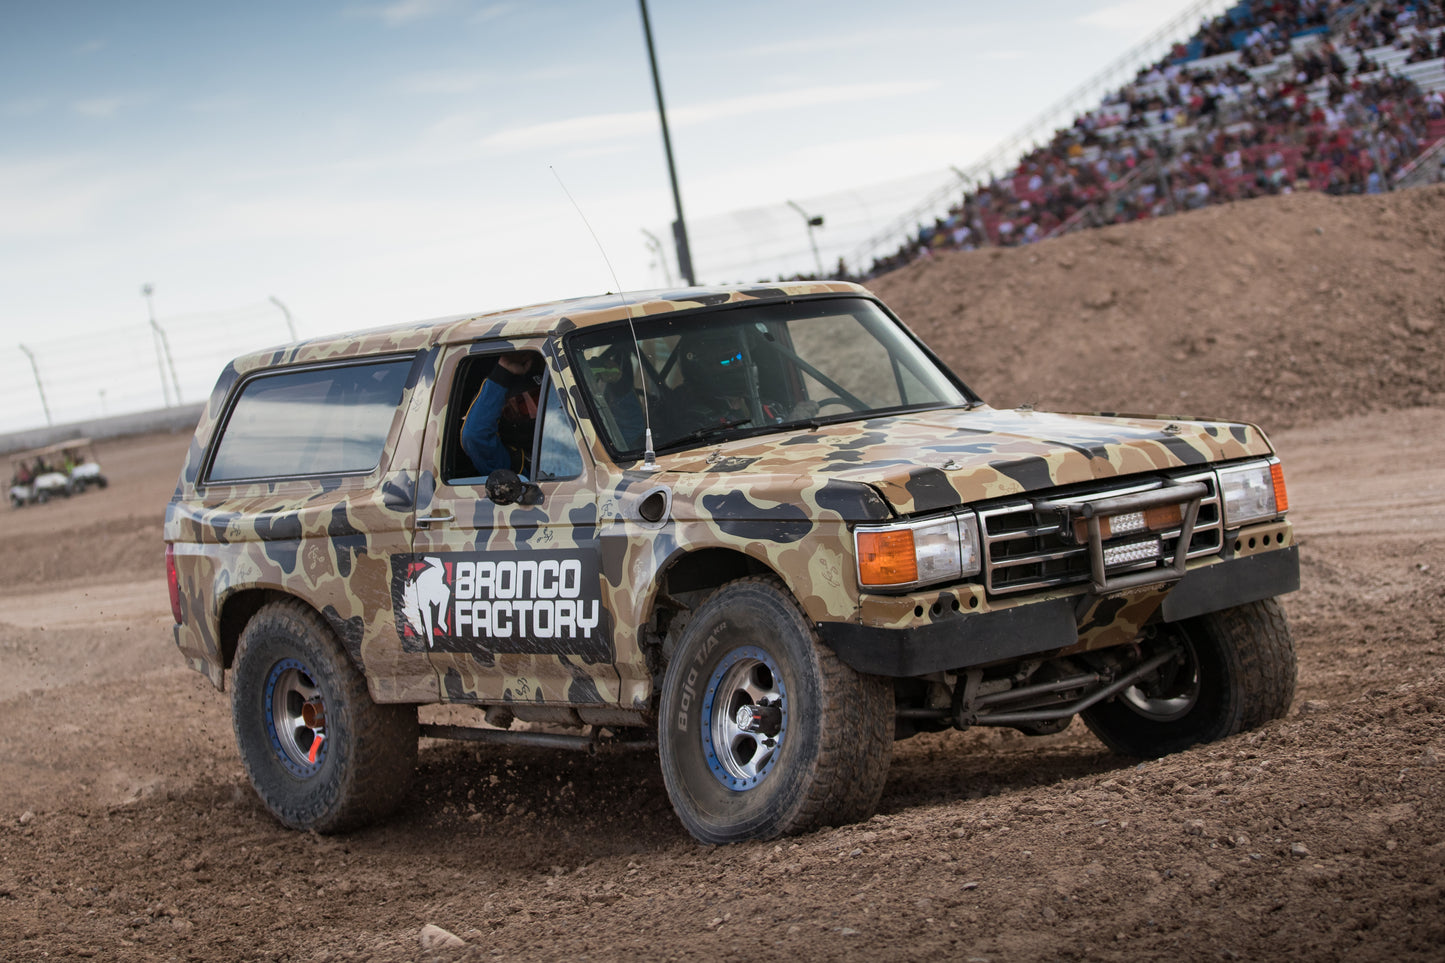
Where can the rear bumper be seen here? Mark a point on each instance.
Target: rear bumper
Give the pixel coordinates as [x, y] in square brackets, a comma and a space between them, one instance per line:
[964, 640]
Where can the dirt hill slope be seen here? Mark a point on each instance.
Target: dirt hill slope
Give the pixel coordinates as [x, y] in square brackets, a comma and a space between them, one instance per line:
[1281, 311]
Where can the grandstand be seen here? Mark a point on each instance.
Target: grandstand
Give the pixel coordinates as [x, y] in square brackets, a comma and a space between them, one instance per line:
[1270, 97]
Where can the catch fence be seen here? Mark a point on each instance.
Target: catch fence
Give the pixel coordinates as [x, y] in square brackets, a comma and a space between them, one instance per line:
[48, 380]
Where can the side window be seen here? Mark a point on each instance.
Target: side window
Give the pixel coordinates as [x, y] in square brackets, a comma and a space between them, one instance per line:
[558, 457]
[330, 420]
[490, 424]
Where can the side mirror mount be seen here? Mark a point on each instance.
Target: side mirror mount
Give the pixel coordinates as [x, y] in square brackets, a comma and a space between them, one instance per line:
[505, 487]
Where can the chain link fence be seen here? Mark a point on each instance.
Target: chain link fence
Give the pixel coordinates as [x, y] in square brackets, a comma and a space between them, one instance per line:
[55, 380]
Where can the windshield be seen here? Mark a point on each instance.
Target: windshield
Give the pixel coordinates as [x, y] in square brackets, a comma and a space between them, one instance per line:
[751, 370]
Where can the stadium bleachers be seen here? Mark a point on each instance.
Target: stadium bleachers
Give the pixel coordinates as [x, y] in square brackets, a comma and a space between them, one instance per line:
[1339, 97]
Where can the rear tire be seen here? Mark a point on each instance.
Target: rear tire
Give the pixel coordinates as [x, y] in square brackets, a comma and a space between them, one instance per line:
[820, 753]
[321, 755]
[1238, 673]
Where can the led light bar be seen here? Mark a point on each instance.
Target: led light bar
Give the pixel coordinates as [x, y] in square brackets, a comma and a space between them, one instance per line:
[1130, 552]
[1130, 523]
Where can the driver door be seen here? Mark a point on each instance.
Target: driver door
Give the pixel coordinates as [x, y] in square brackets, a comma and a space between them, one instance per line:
[507, 600]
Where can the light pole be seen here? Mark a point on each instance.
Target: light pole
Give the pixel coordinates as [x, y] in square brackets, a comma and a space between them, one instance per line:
[812, 220]
[655, 246]
[163, 348]
[679, 226]
[39, 386]
[290, 325]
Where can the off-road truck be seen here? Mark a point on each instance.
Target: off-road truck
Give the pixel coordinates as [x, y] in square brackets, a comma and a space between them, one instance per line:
[763, 530]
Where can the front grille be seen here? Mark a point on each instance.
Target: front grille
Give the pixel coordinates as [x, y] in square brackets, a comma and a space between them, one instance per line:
[1026, 547]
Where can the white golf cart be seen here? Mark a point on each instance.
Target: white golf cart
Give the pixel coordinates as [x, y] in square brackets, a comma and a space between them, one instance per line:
[58, 470]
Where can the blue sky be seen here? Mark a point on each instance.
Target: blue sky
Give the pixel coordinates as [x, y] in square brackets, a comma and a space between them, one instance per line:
[376, 162]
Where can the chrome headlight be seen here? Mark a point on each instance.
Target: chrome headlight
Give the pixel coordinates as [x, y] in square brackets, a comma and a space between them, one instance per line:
[909, 554]
[1252, 493]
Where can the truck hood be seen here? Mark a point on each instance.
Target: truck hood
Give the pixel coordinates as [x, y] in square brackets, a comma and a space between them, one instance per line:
[930, 460]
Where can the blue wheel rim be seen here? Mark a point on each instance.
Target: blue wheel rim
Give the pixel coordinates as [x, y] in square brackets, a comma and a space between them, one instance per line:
[297, 737]
[738, 757]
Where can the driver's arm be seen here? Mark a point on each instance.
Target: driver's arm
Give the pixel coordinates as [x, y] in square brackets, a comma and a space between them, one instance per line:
[480, 438]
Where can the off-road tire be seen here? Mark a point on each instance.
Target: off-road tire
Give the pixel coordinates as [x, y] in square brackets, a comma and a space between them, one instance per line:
[833, 750]
[1243, 663]
[362, 764]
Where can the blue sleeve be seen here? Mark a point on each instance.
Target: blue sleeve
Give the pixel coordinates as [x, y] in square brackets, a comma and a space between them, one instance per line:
[479, 430]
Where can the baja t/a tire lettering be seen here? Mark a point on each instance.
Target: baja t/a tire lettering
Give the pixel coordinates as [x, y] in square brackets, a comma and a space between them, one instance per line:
[781, 737]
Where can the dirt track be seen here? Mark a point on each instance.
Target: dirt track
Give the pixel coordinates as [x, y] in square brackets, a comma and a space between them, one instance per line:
[128, 832]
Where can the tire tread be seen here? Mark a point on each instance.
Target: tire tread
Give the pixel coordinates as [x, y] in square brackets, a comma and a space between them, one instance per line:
[383, 747]
[855, 726]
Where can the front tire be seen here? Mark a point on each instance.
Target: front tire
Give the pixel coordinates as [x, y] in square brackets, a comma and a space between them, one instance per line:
[320, 753]
[763, 730]
[1237, 673]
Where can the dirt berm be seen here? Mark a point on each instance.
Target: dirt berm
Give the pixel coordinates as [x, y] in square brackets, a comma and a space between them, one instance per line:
[128, 831]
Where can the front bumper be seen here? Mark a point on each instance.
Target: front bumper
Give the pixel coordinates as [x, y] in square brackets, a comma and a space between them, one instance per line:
[964, 639]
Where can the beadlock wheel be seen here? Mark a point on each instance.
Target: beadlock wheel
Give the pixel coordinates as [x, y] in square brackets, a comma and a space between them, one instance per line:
[745, 717]
[321, 755]
[762, 730]
[297, 718]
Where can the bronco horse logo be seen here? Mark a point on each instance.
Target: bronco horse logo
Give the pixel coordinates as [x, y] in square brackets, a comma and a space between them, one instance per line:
[425, 599]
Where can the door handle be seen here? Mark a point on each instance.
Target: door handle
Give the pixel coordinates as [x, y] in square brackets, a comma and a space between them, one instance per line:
[426, 520]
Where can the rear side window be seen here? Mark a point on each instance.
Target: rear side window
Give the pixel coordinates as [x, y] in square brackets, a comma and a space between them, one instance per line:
[321, 421]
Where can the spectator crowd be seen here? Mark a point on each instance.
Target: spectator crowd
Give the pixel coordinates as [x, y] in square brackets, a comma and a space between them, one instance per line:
[1274, 96]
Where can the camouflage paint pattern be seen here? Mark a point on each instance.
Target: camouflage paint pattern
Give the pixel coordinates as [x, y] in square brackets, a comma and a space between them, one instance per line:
[788, 500]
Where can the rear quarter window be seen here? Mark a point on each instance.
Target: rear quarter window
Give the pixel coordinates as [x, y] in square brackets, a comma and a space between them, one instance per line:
[319, 421]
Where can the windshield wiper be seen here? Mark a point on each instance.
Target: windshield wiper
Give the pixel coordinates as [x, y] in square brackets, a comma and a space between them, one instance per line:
[708, 431]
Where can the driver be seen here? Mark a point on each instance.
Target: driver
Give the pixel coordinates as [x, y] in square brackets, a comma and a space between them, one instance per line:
[715, 382]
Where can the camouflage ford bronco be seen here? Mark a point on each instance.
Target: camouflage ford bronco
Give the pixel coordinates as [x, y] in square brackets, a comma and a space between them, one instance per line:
[761, 529]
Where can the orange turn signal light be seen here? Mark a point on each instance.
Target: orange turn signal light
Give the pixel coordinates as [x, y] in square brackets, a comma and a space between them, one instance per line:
[1281, 497]
[887, 558]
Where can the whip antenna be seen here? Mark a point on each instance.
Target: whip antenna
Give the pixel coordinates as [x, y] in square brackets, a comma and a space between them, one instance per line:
[649, 458]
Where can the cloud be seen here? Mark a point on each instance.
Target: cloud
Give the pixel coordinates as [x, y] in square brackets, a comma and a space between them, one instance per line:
[610, 126]
[493, 12]
[90, 47]
[102, 107]
[399, 13]
[58, 196]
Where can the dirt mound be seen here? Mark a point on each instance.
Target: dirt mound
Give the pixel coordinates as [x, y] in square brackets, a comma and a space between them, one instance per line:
[1283, 311]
